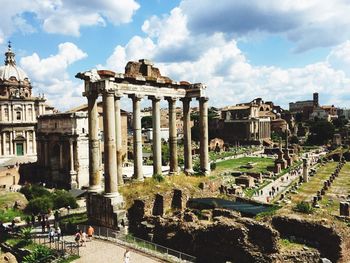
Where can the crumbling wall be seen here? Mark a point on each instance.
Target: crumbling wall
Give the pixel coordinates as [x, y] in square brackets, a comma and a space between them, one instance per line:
[315, 234]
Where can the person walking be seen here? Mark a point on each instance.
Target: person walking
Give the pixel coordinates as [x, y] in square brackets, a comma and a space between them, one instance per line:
[127, 256]
[90, 232]
[58, 232]
[77, 238]
[83, 238]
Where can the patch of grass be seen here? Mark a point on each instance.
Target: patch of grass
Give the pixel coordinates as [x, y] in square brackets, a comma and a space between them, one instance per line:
[286, 244]
[304, 207]
[69, 223]
[69, 259]
[260, 166]
[9, 214]
[150, 187]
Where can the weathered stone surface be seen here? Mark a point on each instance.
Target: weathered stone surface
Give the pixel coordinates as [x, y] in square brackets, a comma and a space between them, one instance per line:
[315, 234]
[8, 258]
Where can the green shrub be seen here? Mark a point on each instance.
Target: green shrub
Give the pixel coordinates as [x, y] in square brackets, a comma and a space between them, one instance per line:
[40, 254]
[39, 205]
[62, 198]
[26, 235]
[34, 191]
[212, 166]
[158, 177]
[304, 207]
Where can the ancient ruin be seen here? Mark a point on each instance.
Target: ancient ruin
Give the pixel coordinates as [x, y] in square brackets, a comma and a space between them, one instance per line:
[140, 80]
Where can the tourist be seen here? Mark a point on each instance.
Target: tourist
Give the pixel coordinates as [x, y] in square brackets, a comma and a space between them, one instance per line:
[42, 226]
[83, 238]
[127, 256]
[51, 235]
[90, 232]
[77, 238]
[58, 233]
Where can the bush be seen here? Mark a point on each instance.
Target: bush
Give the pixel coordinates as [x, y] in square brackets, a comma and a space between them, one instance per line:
[158, 177]
[304, 207]
[41, 254]
[212, 166]
[39, 205]
[62, 198]
[34, 191]
[26, 235]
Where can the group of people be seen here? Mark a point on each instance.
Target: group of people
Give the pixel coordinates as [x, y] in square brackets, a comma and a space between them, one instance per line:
[81, 236]
[55, 234]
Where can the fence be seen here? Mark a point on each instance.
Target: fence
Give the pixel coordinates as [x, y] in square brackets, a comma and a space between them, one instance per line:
[61, 246]
[140, 244]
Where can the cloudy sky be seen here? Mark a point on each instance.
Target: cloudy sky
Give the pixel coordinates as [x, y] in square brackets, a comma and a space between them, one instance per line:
[280, 50]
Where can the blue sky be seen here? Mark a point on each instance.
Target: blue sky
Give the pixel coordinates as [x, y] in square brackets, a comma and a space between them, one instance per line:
[280, 50]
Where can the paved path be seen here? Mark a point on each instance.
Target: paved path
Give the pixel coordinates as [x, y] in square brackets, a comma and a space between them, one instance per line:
[102, 251]
[281, 184]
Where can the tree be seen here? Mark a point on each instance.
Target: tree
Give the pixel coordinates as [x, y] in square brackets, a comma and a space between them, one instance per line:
[146, 122]
[62, 198]
[321, 132]
[39, 205]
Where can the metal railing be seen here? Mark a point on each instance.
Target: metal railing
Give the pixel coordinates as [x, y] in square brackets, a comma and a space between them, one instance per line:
[139, 244]
[61, 246]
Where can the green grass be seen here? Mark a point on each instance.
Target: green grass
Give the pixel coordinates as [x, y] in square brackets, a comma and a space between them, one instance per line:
[69, 259]
[9, 214]
[261, 164]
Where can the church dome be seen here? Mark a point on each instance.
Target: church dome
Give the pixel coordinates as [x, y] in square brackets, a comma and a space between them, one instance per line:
[10, 69]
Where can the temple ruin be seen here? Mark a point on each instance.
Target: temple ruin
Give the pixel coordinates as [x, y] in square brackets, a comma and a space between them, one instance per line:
[140, 80]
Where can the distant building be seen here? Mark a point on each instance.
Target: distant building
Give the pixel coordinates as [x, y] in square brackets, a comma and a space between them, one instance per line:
[63, 149]
[18, 112]
[305, 108]
[344, 113]
[247, 122]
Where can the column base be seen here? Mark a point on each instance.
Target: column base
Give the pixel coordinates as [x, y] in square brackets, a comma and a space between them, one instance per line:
[95, 189]
[189, 171]
[138, 179]
[73, 179]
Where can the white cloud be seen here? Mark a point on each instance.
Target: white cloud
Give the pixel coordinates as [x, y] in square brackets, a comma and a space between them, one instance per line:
[312, 23]
[217, 61]
[64, 16]
[49, 75]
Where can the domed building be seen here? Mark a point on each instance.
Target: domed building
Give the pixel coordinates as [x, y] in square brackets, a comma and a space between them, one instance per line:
[18, 112]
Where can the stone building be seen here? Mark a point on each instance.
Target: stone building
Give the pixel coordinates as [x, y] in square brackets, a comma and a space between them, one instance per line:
[63, 149]
[124, 128]
[247, 122]
[18, 112]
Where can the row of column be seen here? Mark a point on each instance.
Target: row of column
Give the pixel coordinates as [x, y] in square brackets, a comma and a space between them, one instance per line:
[113, 140]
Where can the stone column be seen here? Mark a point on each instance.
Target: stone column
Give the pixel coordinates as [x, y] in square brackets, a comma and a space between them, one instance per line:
[61, 155]
[203, 144]
[94, 144]
[172, 137]
[11, 144]
[157, 144]
[138, 172]
[305, 170]
[4, 143]
[118, 139]
[187, 135]
[110, 154]
[34, 142]
[46, 152]
[71, 156]
[27, 142]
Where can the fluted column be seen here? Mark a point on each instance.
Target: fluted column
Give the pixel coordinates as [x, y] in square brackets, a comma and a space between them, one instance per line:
[203, 144]
[118, 139]
[138, 172]
[27, 142]
[94, 144]
[157, 146]
[187, 135]
[172, 137]
[110, 154]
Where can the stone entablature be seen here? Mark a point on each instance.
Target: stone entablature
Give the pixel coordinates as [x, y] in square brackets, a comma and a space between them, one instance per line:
[140, 80]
